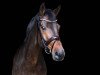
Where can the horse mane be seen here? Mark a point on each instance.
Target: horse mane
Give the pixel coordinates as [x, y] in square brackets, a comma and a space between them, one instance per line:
[30, 27]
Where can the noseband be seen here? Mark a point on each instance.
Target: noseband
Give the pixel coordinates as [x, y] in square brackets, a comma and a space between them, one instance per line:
[46, 43]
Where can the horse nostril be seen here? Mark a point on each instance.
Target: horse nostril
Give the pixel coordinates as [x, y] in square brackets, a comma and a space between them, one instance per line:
[59, 56]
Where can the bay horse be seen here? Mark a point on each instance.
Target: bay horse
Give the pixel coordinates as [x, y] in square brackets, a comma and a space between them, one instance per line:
[42, 34]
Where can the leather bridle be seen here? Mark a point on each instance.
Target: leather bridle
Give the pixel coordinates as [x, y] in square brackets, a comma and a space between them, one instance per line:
[46, 43]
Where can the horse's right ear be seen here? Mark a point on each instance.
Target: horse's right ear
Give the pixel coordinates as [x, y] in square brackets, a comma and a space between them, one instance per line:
[42, 9]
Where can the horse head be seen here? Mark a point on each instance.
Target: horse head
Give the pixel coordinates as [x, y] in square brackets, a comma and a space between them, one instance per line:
[49, 30]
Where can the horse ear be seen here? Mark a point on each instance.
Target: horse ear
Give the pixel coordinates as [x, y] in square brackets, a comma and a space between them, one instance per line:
[42, 9]
[56, 11]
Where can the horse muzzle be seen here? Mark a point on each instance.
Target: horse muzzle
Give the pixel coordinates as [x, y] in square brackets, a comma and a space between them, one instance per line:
[58, 56]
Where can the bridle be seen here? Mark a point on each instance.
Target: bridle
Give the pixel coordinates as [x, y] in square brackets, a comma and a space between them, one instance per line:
[46, 43]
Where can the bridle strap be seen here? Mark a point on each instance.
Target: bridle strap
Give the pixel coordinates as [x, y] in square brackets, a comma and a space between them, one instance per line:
[52, 39]
[46, 43]
[47, 20]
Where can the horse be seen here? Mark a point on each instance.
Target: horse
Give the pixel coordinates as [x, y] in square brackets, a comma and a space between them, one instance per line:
[42, 33]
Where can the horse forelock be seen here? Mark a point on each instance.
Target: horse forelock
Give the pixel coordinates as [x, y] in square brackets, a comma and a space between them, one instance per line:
[50, 14]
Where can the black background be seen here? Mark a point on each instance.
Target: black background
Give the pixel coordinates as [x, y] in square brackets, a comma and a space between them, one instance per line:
[15, 17]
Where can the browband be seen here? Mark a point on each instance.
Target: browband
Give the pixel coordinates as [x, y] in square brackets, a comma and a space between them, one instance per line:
[48, 20]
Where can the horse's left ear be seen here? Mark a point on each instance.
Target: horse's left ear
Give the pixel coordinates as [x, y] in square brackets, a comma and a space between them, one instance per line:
[42, 9]
[56, 11]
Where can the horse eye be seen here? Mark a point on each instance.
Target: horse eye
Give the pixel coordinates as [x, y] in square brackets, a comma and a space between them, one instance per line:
[43, 27]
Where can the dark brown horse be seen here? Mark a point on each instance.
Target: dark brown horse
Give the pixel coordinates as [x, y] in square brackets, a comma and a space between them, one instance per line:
[42, 34]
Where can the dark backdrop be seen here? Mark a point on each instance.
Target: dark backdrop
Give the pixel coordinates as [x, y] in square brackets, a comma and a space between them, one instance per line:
[15, 17]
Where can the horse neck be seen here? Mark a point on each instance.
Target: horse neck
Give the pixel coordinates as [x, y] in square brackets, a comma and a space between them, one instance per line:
[32, 44]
